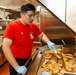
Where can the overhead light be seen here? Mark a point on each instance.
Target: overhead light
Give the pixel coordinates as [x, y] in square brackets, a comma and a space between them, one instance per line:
[2, 7]
[38, 8]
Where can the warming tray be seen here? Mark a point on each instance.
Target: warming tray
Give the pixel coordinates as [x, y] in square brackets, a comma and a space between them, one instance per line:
[34, 68]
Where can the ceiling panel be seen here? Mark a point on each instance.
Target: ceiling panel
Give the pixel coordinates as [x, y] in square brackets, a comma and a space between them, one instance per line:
[16, 4]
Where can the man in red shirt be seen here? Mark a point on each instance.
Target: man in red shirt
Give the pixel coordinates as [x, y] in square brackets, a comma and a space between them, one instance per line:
[18, 39]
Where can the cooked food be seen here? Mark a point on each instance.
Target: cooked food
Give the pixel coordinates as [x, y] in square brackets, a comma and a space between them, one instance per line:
[54, 64]
[62, 71]
[74, 54]
[60, 63]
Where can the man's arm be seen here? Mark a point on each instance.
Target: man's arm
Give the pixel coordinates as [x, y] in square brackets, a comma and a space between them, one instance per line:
[8, 53]
[46, 40]
[43, 37]
[9, 56]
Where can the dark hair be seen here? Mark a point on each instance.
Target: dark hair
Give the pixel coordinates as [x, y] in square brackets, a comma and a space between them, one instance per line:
[27, 7]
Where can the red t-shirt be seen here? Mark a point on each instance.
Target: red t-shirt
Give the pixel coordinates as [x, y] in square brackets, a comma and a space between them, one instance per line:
[22, 37]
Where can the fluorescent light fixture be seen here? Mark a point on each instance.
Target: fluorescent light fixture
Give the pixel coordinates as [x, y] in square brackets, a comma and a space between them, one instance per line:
[3, 7]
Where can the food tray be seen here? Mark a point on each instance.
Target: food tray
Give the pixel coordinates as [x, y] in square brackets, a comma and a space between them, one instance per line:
[68, 50]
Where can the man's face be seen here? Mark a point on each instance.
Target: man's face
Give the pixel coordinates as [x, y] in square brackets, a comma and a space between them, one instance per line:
[28, 17]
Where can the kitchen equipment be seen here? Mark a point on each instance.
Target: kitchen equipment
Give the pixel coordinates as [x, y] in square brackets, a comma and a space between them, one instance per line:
[69, 73]
[35, 66]
[56, 30]
[62, 60]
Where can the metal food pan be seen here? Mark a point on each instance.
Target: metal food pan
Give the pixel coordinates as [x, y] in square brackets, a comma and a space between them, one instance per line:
[71, 49]
[69, 73]
[34, 68]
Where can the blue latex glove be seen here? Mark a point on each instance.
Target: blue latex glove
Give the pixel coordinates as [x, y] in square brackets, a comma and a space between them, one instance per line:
[52, 46]
[21, 69]
[45, 73]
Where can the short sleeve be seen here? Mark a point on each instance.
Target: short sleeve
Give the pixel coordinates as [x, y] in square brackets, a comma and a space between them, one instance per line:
[37, 30]
[9, 32]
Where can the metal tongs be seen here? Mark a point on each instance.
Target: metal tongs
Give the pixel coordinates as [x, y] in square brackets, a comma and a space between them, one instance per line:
[62, 60]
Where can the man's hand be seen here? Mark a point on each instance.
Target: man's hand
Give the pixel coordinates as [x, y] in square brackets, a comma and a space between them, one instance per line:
[52, 46]
[45, 73]
[21, 69]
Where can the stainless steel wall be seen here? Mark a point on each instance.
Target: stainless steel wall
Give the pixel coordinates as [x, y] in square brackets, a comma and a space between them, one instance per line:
[64, 10]
[54, 28]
